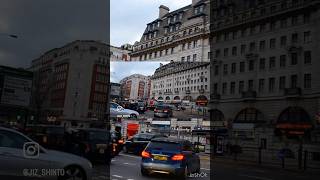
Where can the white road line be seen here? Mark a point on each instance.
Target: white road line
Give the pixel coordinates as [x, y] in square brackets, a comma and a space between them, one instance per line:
[130, 179]
[131, 164]
[205, 169]
[255, 177]
[137, 157]
[117, 176]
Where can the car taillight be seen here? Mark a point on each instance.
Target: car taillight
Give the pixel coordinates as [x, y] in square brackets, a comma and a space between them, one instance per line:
[177, 157]
[145, 154]
[155, 110]
[120, 141]
[87, 148]
[165, 111]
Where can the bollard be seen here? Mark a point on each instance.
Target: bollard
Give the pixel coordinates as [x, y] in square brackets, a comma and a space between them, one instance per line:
[260, 149]
[305, 160]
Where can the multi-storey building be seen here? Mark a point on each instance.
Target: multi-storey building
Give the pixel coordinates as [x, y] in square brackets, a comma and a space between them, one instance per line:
[72, 82]
[115, 89]
[180, 35]
[265, 77]
[135, 87]
[15, 95]
[120, 53]
[179, 81]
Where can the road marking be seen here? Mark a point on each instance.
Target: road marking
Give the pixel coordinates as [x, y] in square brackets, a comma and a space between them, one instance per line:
[255, 177]
[132, 164]
[137, 157]
[205, 169]
[130, 179]
[117, 176]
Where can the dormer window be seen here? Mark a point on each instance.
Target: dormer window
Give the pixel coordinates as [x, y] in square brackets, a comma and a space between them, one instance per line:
[180, 16]
[174, 18]
[158, 24]
[169, 20]
[165, 30]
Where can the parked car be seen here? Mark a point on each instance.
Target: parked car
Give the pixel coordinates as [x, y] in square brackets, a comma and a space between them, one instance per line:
[170, 156]
[163, 111]
[19, 152]
[94, 144]
[49, 136]
[116, 110]
[117, 142]
[138, 142]
[138, 106]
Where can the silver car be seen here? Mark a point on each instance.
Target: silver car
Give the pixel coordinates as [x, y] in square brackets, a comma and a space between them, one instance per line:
[118, 111]
[22, 158]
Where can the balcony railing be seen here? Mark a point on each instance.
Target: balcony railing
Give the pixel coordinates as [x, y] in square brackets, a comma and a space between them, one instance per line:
[292, 92]
[215, 97]
[201, 91]
[167, 93]
[249, 95]
[188, 91]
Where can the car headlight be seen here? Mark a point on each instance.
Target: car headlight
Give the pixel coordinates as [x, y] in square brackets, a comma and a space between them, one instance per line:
[90, 164]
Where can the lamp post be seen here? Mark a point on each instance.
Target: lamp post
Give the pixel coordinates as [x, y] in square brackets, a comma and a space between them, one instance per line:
[9, 35]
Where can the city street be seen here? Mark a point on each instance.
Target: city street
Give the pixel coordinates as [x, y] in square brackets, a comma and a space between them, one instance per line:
[231, 171]
[186, 114]
[127, 167]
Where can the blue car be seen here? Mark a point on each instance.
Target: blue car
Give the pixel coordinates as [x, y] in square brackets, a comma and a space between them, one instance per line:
[170, 156]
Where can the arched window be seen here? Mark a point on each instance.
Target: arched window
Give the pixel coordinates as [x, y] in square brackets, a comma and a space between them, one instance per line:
[249, 115]
[176, 98]
[216, 115]
[167, 98]
[160, 98]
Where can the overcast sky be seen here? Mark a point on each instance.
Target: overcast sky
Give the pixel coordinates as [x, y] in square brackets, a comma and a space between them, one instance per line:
[129, 18]
[120, 70]
[42, 25]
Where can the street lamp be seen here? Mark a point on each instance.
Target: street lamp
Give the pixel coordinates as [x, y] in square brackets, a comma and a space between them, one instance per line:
[9, 35]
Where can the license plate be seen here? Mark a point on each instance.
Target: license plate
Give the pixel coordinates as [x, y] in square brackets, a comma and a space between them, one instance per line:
[101, 151]
[161, 158]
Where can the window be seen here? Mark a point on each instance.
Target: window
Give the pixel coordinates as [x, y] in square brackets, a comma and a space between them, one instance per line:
[294, 81]
[283, 41]
[232, 87]
[251, 65]
[234, 34]
[233, 68]
[262, 27]
[250, 85]
[243, 32]
[234, 50]
[188, 58]
[282, 82]
[261, 85]
[241, 86]
[242, 66]
[294, 58]
[283, 60]
[262, 63]
[172, 50]
[252, 30]
[283, 23]
[209, 55]
[272, 62]
[307, 80]
[182, 59]
[194, 57]
[243, 48]
[306, 37]
[262, 45]
[294, 20]
[306, 18]
[217, 53]
[12, 140]
[307, 57]
[224, 88]
[271, 84]
[215, 87]
[252, 46]
[272, 26]
[225, 69]
[225, 52]
[216, 70]
[272, 43]
[294, 38]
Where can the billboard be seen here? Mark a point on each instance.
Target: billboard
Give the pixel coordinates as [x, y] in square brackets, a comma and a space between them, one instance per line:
[16, 91]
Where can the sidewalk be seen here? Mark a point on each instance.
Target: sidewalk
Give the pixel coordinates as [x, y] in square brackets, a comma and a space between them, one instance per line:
[229, 161]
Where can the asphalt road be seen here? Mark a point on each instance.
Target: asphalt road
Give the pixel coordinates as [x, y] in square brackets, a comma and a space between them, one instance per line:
[230, 171]
[127, 167]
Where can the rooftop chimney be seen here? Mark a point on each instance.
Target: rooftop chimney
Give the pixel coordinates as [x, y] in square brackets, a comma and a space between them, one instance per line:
[194, 2]
[163, 10]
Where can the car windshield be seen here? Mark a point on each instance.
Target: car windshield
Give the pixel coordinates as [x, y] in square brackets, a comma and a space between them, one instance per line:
[55, 130]
[170, 146]
[99, 135]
